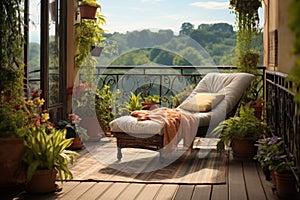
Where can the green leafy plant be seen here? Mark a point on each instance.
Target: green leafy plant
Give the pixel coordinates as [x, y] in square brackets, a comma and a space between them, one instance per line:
[11, 120]
[46, 150]
[11, 68]
[294, 74]
[243, 125]
[134, 102]
[247, 54]
[152, 99]
[88, 33]
[72, 127]
[90, 3]
[45, 145]
[104, 102]
[271, 155]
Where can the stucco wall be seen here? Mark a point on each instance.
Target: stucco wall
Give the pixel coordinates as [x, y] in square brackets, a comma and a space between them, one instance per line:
[276, 14]
[285, 38]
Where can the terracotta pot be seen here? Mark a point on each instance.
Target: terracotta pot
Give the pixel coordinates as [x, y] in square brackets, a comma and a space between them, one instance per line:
[77, 144]
[87, 12]
[43, 181]
[285, 184]
[257, 110]
[93, 128]
[11, 151]
[243, 148]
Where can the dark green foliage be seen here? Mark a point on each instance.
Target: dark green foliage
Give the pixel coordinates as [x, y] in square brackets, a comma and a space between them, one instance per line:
[294, 26]
[11, 67]
[244, 125]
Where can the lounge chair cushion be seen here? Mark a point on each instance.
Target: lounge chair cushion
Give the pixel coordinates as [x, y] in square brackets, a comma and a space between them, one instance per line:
[202, 102]
[130, 124]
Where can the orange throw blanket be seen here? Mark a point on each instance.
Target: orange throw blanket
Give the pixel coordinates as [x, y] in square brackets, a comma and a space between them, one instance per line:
[177, 125]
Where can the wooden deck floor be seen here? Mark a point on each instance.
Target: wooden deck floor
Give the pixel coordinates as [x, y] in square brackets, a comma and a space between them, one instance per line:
[245, 181]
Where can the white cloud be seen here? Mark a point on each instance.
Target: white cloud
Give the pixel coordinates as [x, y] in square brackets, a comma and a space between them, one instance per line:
[211, 5]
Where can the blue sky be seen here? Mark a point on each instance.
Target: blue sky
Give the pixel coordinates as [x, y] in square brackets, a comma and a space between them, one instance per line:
[129, 15]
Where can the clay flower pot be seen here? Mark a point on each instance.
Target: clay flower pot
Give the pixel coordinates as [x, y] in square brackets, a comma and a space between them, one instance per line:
[43, 181]
[87, 11]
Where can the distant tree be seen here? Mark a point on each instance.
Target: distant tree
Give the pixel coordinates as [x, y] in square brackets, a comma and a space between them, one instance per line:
[164, 58]
[186, 28]
[218, 40]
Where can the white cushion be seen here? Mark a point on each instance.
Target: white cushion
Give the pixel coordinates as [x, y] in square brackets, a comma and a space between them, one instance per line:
[129, 124]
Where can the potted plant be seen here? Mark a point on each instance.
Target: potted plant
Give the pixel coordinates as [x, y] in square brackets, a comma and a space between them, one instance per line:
[84, 106]
[247, 54]
[241, 132]
[45, 149]
[11, 92]
[150, 102]
[104, 98]
[74, 131]
[272, 157]
[88, 8]
[134, 102]
[267, 148]
[88, 34]
[45, 156]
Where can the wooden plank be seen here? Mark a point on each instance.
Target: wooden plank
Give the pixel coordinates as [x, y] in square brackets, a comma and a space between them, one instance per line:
[66, 188]
[237, 190]
[95, 191]
[253, 184]
[267, 185]
[219, 192]
[202, 192]
[149, 191]
[167, 192]
[131, 191]
[113, 191]
[184, 192]
[78, 190]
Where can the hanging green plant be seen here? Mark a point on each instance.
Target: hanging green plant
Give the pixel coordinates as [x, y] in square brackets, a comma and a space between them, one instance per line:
[247, 48]
[88, 33]
[247, 22]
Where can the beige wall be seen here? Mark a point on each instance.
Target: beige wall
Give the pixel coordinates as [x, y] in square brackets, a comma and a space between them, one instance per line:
[276, 18]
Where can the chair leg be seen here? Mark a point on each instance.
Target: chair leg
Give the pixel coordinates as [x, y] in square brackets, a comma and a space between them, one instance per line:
[119, 155]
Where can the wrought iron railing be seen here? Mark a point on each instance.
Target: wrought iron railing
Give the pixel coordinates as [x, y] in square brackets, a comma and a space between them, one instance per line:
[165, 81]
[281, 115]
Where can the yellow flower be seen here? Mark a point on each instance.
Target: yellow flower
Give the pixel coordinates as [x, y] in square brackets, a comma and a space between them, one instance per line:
[45, 117]
[36, 101]
[30, 103]
[41, 102]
